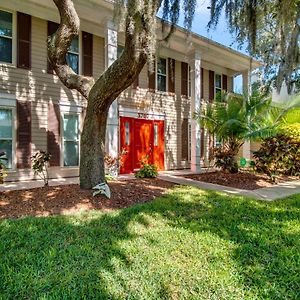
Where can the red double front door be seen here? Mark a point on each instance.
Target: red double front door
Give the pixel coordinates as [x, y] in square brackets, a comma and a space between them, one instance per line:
[141, 139]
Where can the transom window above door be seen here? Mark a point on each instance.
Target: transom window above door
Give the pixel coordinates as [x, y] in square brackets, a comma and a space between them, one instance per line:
[161, 75]
[6, 36]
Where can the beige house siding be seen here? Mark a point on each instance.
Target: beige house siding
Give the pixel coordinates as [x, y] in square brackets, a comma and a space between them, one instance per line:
[174, 107]
[41, 88]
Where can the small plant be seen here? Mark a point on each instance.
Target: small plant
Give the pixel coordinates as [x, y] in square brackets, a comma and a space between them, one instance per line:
[112, 164]
[147, 170]
[225, 159]
[102, 189]
[3, 161]
[40, 165]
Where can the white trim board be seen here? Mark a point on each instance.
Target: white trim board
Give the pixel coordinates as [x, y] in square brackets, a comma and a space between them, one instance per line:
[138, 114]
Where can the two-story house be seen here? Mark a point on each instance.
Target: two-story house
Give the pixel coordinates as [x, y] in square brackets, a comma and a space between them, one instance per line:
[154, 117]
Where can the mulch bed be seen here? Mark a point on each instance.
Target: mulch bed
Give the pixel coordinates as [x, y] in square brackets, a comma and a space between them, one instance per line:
[241, 180]
[68, 199]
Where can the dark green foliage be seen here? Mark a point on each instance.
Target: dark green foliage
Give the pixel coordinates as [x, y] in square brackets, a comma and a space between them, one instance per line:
[234, 119]
[279, 155]
[147, 170]
[272, 30]
[40, 164]
[225, 159]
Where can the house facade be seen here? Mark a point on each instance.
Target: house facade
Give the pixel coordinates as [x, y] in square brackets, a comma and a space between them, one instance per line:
[153, 118]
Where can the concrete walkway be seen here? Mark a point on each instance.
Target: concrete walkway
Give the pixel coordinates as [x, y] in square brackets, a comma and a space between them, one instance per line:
[32, 184]
[278, 191]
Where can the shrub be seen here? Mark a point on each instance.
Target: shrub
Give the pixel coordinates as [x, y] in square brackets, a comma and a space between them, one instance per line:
[3, 173]
[291, 130]
[40, 165]
[112, 164]
[278, 155]
[225, 159]
[147, 170]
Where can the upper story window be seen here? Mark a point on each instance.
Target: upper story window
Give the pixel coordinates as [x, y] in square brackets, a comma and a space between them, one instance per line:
[218, 86]
[71, 139]
[73, 55]
[6, 134]
[6, 36]
[161, 75]
[120, 50]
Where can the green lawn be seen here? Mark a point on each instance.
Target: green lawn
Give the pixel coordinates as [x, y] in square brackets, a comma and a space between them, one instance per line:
[190, 244]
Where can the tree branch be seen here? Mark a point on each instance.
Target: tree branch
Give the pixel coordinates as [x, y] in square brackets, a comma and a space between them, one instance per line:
[59, 44]
[122, 73]
[291, 53]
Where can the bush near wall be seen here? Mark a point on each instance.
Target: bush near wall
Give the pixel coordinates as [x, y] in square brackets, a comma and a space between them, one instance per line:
[280, 154]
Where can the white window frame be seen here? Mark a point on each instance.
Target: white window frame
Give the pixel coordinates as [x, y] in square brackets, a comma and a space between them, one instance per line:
[66, 109]
[80, 53]
[156, 75]
[14, 38]
[215, 84]
[11, 105]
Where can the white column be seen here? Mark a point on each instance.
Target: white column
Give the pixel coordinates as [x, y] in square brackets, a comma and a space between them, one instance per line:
[195, 64]
[112, 131]
[246, 90]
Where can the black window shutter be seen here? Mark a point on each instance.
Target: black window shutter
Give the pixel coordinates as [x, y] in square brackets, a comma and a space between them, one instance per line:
[211, 79]
[23, 41]
[224, 82]
[185, 139]
[184, 79]
[87, 45]
[202, 83]
[23, 134]
[53, 134]
[52, 27]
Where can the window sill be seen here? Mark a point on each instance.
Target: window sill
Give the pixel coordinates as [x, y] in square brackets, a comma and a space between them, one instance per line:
[163, 93]
[69, 168]
[7, 65]
[12, 171]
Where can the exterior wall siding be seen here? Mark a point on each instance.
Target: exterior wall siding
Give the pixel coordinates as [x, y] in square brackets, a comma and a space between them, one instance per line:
[40, 88]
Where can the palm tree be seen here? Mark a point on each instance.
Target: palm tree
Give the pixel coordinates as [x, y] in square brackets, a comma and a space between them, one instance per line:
[233, 119]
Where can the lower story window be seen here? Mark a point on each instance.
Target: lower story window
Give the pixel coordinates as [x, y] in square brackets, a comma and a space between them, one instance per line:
[71, 140]
[6, 135]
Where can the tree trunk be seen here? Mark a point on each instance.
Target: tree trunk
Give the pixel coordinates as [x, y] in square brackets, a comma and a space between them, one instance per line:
[92, 149]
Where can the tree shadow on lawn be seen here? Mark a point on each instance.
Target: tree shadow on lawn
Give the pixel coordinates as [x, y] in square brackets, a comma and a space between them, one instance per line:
[172, 247]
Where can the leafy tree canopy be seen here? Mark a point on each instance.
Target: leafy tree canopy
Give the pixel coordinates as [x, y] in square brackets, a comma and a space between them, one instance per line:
[271, 29]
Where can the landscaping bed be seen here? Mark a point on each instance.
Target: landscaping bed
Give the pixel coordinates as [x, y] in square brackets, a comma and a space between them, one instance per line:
[69, 199]
[242, 180]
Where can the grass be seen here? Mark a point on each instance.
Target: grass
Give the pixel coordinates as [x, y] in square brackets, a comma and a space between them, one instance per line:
[189, 244]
